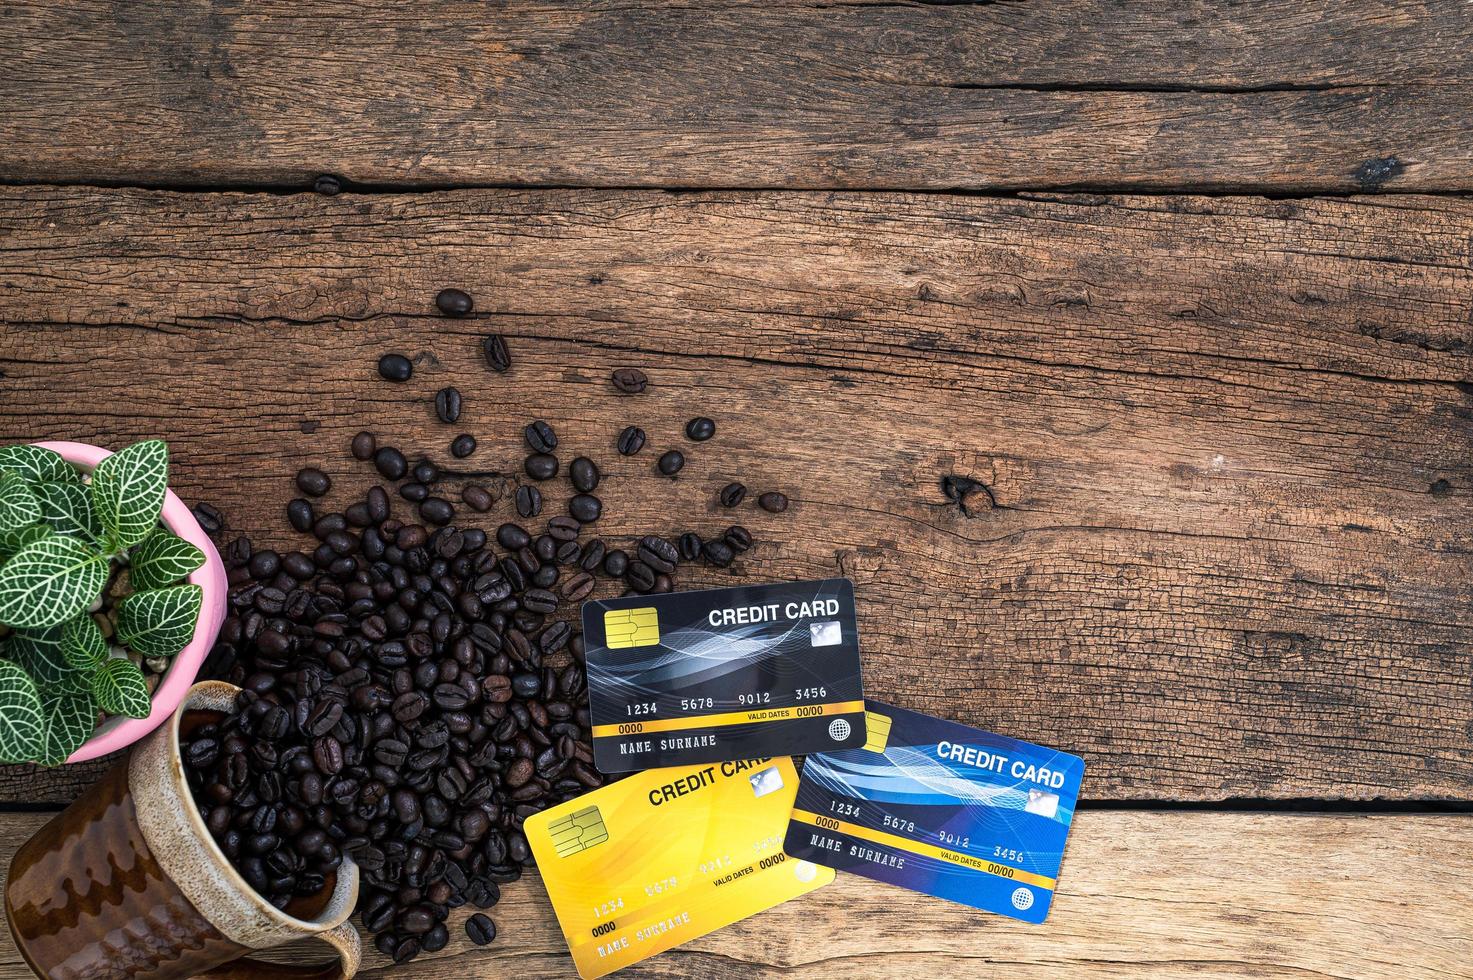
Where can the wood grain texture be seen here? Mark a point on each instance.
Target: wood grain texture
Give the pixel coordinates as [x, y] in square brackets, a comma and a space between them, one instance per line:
[1142, 895]
[1284, 95]
[1224, 549]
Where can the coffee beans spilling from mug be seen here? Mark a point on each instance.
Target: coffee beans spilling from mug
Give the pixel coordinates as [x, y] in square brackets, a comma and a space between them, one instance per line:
[413, 689]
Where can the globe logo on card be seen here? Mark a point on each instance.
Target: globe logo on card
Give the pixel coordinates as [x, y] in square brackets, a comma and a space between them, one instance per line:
[1022, 899]
[839, 729]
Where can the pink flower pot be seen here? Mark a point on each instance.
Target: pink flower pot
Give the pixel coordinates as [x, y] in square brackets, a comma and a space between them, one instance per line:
[118, 732]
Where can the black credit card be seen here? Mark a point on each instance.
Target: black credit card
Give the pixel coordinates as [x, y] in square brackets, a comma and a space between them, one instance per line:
[723, 674]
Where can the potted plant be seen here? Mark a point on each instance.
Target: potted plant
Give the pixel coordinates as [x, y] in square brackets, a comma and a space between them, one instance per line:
[110, 596]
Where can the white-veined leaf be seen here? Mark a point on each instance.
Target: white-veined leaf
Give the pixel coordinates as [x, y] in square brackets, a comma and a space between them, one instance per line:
[22, 722]
[18, 504]
[128, 491]
[83, 646]
[119, 688]
[159, 622]
[71, 718]
[68, 508]
[49, 581]
[40, 653]
[13, 541]
[162, 559]
[37, 465]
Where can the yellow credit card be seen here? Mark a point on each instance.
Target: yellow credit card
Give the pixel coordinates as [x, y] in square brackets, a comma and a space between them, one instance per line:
[666, 855]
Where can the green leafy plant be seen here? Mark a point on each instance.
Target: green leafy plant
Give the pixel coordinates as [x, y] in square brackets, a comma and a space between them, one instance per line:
[84, 558]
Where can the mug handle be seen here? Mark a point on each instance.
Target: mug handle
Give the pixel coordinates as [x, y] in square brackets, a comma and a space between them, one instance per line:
[344, 938]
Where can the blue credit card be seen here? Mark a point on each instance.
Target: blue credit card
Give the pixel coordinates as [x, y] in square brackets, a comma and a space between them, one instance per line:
[941, 808]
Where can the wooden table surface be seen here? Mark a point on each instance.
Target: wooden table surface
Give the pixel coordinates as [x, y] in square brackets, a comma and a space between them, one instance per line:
[1183, 291]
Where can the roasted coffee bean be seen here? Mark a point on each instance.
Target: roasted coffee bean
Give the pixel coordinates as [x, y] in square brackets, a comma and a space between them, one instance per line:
[585, 507]
[630, 441]
[700, 429]
[732, 494]
[773, 502]
[414, 492]
[447, 405]
[540, 437]
[406, 950]
[313, 482]
[480, 929]
[426, 472]
[737, 538]
[377, 502]
[391, 463]
[577, 588]
[454, 302]
[436, 939]
[717, 553]
[513, 537]
[690, 546]
[541, 466]
[641, 577]
[584, 474]
[498, 358]
[395, 367]
[210, 519]
[364, 445]
[539, 601]
[670, 463]
[462, 445]
[591, 557]
[630, 381]
[437, 511]
[301, 515]
[529, 501]
[568, 552]
[658, 553]
[477, 498]
[564, 528]
[616, 562]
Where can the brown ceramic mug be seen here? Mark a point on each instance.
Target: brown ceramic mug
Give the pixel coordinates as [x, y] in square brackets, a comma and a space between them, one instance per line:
[128, 883]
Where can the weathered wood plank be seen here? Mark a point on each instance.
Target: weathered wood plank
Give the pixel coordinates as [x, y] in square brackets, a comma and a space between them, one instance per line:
[1284, 95]
[1143, 894]
[1228, 440]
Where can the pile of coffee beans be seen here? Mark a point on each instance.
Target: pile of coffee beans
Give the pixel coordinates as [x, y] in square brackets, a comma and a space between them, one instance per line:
[413, 689]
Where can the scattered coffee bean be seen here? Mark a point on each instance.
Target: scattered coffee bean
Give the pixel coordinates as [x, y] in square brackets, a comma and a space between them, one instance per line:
[454, 302]
[447, 405]
[630, 381]
[717, 553]
[584, 474]
[313, 482]
[414, 492]
[327, 185]
[738, 539]
[463, 445]
[395, 367]
[498, 358]
[529, 501]
[301, 515]
[477, 498]
[480, 929]
[540, 437]
[732, 494]
[773, 502]
[700, 429]
[541, 466]
[616, 563]
[631, 440]
[426, 472]
[437, 511]
[690, 546]
[210, 519]
[390, 463]
[671, 462]
[585, 507]
[658, 554]
[639, 576]
[364, 445]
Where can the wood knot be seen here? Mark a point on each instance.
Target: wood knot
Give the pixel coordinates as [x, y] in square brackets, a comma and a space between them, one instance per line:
[972, 497]
[1372, 173]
